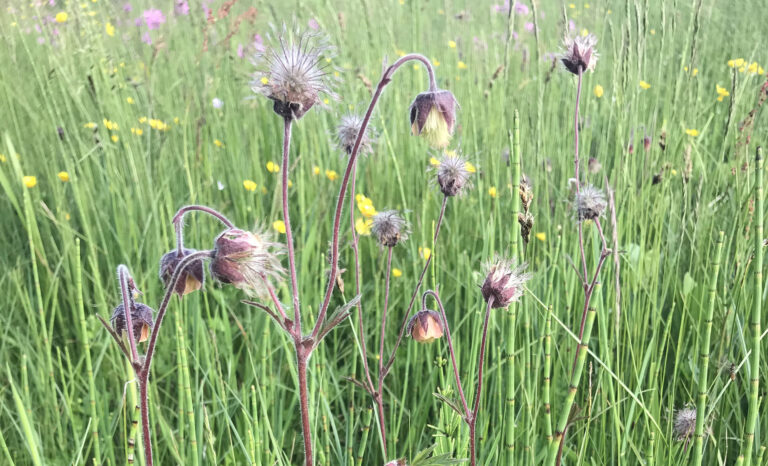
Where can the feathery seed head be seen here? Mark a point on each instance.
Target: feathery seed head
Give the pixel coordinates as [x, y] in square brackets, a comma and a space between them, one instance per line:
[433, 116]
[191, 279]
[579, 53]
[503, 282]
[685, 423]
[246, 260]
[589, 203]
[389, 228]
[452, 175]
[347, 131]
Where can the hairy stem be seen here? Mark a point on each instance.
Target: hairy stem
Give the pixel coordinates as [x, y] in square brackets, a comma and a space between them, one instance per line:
[476, 408]
[145, 433]
[288, 229]
[126, 293]
[178, 221]
[302, 354]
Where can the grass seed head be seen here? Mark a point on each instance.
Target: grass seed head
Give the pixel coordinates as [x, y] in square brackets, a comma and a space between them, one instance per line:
[425, 326]
[246, 260]
[389, 228]
[433, 116]
[192, 277]
[503, 282]
[141, 318]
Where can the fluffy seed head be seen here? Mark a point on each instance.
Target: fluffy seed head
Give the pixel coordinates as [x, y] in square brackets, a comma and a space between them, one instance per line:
[293, 72]
[589, 203]
[425, 326]
[346, 135]
[246, 260]
[191, 279]
[579, 53]
[389, 228]
[503, 282]
[685, 423]
[399, 462]
[141, 318]
[452, 175]
[433, 116]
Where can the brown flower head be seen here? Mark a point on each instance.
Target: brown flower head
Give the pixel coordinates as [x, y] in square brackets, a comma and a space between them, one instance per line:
[579, 53]
[294, 72]
[246, 260]
[425, 326]
[433, 116]
[389, 228]
[503, 282]
[141, 318]
[347, 131]
[192, 277]
[452, 174]
[589, 203]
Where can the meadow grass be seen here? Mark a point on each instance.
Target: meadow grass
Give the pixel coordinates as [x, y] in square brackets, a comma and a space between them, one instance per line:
[224, 390]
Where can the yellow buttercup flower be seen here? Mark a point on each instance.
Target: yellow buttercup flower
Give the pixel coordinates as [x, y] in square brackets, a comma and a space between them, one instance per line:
[752, 68]
[736, 63]
[331, 175]
[115, 138]
[541, 236]
[109, 29]
[279, 226]
[598, 91]
[315, 170]
[218, 143]
[397, 273]
[452, 44]
[644, 85]
[692, 132]
[249, 185]
[721, 92]
[492, 191]
[425, 252]
[90, 125]
[130, 100]
[272, 167]
[137, 131]
[61, 17]
[63, 176]
[363, 226]
[470, 168]
[434, 162]
[264, 80]
[29, 181]
[461, 65]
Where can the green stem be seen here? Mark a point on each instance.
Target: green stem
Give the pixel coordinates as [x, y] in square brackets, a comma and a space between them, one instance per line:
[131, 453]
[704, 357]
[547, 375]
[364, 439]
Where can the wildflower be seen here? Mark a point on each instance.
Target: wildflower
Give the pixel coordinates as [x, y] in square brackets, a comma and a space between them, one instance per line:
[246, 260]
[130, 100]
[579, 54]
[272, 167]
[425, 253]
[365, 206]
[397, 272]
[647, 143]
[347, 132]
[433, 115]
[217, 103]
[752, 68]
[692, 132]
[594, 165]
[644, 85]
[61, 17]
[153, 18]
[315, 170]
[279, 226]
[452, 175]
[389, 228]
[503, 282]
[90, 125]
[461, 65]
[137, 131]
[295, 75]
[109, 29]
[425, 326]
[492, 191]
[363, 226]
[63, 176]
[598, 91]
[141, 319]
[181, 8]
[249, 185]
[434, 162]
[589, 203]
[685, 423]
[331, 175]
[452, 44]
[192, 277]
[114, 138]
[29, 181]
[470, 167]
[541, 236]
[110, 125]
[721, 92]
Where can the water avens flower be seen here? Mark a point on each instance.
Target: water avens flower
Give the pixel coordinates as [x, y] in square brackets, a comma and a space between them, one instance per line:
[141, 318]
[347, 131]
[579, 54]
[452, 175]
[589, 203]
[389, 228]
[293, 73]
[246, 260]
[433, 116]
[425, 326]
[192, 277]
[503, 282]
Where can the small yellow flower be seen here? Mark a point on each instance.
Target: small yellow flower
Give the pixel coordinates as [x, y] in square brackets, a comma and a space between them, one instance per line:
[2, 158]
[721, 92]
[368, 210]
[249, 185]
[397, 273]
[425, 252]
[492, 191]
[143, 120]
[218, 143]
[61, 17]
[115, 138]
[752, 68]
[742, 68]
[290, 184]
[137, 131]
[435, 62]
[598, 90]
[29, 181]
[736, 62]
[399, 52]
[572, 6]
[452, 44]
[264, 80]
[326, 101]
[541, 236]
[315, 170]
[674, 172]
[363, 226]
[653, 32]
[461, 65]
[130, 100]
[695, 72]
[90, 125]
[175, 120]
[63, 176]
[644, 85]
[469, 167]
[279, 226]
[434, 162]
[692, 132]
[584, 32]
[331, 175]
[109, 29]
[110, 125]
[272, 167]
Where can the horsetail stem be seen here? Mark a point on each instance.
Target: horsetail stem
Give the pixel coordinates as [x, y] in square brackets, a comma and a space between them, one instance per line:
[547, 375]
[364, 439]
[704, 357]
[187, 388]
[131, 453]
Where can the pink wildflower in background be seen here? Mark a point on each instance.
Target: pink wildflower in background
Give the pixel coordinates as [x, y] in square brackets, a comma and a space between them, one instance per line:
[153, 18]
[181, 8]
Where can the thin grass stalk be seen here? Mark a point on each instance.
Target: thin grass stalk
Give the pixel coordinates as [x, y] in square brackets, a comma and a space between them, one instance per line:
[379, 394]
[754, 364]
[547, 375]
[555, 448]
[704, 357]
[367, 417]
[479, 390]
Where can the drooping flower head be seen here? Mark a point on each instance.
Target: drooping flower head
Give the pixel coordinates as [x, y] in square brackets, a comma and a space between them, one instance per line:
[452, 174]
[141, 318]
[589, 203]
[347, 131]
[389, 228]
[246, 260]
[192, 277]
[293, 72]
[579, 53]
[425, 326]
[433, 116]
[503, 282]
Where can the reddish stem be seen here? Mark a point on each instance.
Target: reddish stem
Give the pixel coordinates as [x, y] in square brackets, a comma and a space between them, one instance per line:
[481, 359]
[288, 229]
[302, 354]
[125, 291]
[178, 222]
[380, 391]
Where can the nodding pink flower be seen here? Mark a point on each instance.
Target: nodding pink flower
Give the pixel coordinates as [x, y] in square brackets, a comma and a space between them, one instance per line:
[579, 54]
[528, 27]
[312, 23]
[141, 319]
[181, 8]
[154, 18]
[192, 277]
[521, 9]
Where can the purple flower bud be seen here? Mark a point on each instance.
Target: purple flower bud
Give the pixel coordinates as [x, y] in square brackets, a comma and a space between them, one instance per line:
[141, 318]
[246, 260]
[191, 279]
[425, 326]
[503, 282]
[647, 143]
[433, 115]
